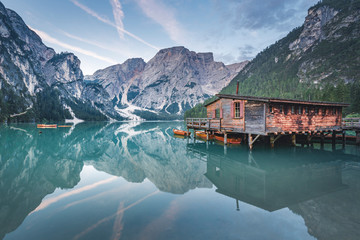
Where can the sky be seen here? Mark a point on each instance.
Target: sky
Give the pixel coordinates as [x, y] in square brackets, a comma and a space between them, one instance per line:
[102, 33]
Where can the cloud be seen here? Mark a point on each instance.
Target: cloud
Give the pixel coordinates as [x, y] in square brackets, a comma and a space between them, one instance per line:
[247, 52]
[118, 16]
[124, 52]
[165, 16]
[108, 22]
[258, 14]
[45, 37]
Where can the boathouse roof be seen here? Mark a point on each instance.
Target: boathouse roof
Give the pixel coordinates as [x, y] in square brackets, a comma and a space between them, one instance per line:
[277, 100]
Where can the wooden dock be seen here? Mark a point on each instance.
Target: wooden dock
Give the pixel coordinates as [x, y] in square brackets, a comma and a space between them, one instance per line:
[212, 126]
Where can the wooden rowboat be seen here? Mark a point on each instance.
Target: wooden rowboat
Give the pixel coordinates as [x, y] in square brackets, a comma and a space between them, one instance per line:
[231, 140]
[202, 135]
[181, 132]
[64, 126]
[46, 126]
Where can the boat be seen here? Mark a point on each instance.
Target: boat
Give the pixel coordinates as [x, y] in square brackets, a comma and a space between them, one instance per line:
[46, 126]
[181, 132]
[64, 126]
[201, 134]
[231, 140]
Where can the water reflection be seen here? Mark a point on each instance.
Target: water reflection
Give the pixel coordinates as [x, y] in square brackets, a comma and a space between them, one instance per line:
[321, 186]
[34, 165]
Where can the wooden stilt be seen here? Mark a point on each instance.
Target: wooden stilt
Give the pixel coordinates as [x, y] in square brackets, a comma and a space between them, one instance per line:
[343, 139]
[333, 139]
[225, 138]
[308, 139]
[250, 141]
[225, 149]
[207, 136]
[293, 140]
[322, 137]
[272, 140]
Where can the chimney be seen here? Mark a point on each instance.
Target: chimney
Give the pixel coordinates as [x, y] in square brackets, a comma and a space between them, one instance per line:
[237, 87]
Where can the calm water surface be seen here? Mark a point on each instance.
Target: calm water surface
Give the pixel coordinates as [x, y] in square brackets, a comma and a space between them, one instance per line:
[137, 181]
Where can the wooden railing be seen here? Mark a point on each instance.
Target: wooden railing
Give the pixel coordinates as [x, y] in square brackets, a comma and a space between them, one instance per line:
[351, 122]
[203, 123]
[198, 122]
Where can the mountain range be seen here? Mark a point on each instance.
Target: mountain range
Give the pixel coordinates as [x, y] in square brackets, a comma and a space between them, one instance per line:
[38, 84]
[316, 61]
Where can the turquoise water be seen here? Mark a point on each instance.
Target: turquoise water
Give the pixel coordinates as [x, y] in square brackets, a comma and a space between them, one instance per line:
[138, 181]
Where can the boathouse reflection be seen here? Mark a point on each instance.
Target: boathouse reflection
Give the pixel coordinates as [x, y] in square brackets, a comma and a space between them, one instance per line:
[271, 181]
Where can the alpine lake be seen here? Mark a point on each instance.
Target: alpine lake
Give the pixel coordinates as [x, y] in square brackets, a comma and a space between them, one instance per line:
[136, 180]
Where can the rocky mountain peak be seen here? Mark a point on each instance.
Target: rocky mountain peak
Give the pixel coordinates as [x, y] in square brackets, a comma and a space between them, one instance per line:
[312, 32]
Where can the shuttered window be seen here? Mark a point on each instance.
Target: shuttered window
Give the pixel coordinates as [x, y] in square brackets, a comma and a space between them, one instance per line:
[217, 113]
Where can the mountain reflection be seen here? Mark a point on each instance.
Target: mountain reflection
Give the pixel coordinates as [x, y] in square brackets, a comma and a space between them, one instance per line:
[33, 164]
[321, 186]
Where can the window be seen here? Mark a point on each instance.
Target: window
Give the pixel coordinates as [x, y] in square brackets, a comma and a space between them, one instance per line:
[306, 110]
[300, 110]
[285, 110]
[281, 109]
[292, 109]
[316, 111]
[334, 111]
[271, 109]
[237, 109]
[323, 111]
[217, 113]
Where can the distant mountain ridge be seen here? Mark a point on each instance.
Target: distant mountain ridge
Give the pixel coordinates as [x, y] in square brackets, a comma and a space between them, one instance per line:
[318, 61]
[174, 80]
[37, 84]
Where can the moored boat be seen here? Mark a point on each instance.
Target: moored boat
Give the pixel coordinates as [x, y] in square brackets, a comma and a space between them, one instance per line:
[181, 132]
[46, 126]
[231, 140]
[202, 135]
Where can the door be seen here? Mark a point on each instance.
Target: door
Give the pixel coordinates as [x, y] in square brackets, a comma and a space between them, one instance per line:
[254, 117]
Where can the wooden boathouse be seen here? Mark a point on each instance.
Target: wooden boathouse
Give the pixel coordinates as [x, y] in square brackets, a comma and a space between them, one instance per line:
[255, 117]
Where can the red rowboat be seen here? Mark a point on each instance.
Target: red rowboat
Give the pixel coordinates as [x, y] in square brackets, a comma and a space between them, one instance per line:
[181, 132]
[231, 140]
[203, 135]
[46, 126]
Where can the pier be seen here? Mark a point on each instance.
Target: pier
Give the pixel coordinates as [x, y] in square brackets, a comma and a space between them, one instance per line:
[271, 119]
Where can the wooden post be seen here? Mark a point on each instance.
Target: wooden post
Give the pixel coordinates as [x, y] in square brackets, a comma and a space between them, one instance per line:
[343, 138]
[333, 139]
[293, 139]
[207, 136]
[225, 138]
[225, 149]
[272, 140]
[250, 141]
[308, 139]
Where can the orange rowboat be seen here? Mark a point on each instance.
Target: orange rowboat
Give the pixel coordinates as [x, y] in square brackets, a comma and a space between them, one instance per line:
[229, 139]
[181, 132]
[46, 126]
[203, 135]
